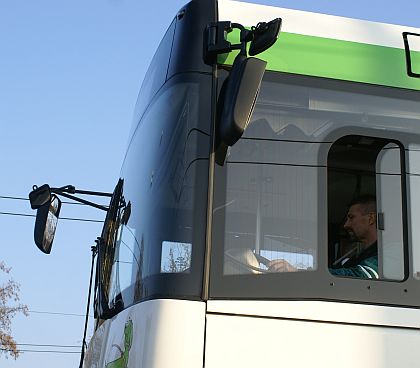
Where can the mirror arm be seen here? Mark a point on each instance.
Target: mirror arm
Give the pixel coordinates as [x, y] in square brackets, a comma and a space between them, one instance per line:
[72, 190]
[217, 44]
[87, 192]
[103, 208]
[245, 37]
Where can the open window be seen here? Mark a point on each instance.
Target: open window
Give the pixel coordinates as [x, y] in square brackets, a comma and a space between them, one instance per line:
[365, 208]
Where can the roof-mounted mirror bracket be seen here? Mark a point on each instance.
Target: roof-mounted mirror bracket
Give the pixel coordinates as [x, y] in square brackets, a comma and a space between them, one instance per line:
[216, 42]
[262, 36]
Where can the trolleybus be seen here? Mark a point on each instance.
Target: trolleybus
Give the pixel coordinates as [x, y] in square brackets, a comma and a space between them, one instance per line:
[255, 130]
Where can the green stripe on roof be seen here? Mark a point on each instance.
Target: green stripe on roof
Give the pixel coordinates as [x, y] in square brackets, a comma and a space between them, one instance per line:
[343, 60]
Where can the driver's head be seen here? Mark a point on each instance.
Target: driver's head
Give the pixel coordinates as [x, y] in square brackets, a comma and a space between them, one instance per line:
[361, 219]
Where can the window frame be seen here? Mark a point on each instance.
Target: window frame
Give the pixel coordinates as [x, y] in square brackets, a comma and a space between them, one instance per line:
[319, 284]
[404, 212]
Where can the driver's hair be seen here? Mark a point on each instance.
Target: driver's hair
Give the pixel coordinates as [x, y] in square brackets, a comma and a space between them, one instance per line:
[366, 201]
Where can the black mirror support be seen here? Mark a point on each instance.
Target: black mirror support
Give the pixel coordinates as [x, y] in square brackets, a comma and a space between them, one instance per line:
[47, 203]
[262, 37]
[240, 90]
[39, 196]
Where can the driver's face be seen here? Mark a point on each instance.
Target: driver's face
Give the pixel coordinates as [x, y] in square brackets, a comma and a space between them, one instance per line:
[357, 223]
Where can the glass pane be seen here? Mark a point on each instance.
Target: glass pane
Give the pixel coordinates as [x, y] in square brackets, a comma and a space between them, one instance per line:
[126, 260]
[176, 257]
[299, 113]
[270, 219]
[365, 208]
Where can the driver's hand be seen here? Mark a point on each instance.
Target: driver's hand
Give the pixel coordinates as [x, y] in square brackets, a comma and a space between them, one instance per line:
[280, 265]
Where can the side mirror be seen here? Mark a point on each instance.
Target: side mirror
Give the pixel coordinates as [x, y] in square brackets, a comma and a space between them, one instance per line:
[265, 35]
[46, 222]
[238, 97]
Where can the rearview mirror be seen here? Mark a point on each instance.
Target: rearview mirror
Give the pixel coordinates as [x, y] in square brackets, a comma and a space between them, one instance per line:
[265, 35]
[46, 222]
[238, 97]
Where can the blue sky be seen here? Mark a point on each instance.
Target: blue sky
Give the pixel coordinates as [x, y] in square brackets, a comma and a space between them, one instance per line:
[69, 77]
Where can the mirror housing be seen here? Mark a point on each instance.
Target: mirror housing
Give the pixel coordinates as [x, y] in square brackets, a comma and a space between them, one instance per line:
[264, 36]
[40, 196]
[46, 220]
[238, 97]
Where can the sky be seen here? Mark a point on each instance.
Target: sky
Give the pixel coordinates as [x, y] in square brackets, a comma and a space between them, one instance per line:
[70, 73]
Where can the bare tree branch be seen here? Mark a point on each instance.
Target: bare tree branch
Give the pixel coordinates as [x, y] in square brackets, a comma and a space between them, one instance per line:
[9, 307]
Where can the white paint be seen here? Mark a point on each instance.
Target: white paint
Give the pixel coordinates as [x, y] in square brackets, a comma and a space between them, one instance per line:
[413, 158]
[321, 311]
[171, 333]
[388, 203]
[320, 25]
[166, 333]
[247, 342]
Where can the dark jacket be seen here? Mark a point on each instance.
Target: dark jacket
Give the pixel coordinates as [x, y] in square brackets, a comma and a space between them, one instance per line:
[364, 265]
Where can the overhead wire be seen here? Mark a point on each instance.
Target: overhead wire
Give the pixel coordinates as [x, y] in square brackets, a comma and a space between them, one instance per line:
[27, 199]
[45, 312]
[58, 313]
[51, 345]
[61, 218]
[41, 351]
[31, 215]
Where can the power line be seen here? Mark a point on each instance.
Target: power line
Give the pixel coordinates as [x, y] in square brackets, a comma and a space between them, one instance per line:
[61, 218]
[27, 199]
[52, 345]
[42, 351]
[16, 214]
[15, 198]
[59, 313]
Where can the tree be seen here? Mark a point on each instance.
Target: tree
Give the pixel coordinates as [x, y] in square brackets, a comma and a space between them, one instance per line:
[9, 307]
[179, 257]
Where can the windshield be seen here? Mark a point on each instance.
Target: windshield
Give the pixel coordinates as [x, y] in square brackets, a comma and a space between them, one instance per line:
[282, 197]
[159, 243]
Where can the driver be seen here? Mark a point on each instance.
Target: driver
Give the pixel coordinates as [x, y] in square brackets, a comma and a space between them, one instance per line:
[361, 226]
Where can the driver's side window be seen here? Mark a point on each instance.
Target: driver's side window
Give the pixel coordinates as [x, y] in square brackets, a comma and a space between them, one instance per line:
[365, 219]
[269, 212]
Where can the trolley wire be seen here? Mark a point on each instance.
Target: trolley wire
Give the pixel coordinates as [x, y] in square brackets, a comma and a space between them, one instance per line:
[32, 215]
[27, 199]
[58, 313]
[41, 351]
[61, 218]
[26, 345]
[45, 312]
[51, 345]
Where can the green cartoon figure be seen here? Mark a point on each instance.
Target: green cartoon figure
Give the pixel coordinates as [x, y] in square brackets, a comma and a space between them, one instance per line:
[122, 361]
